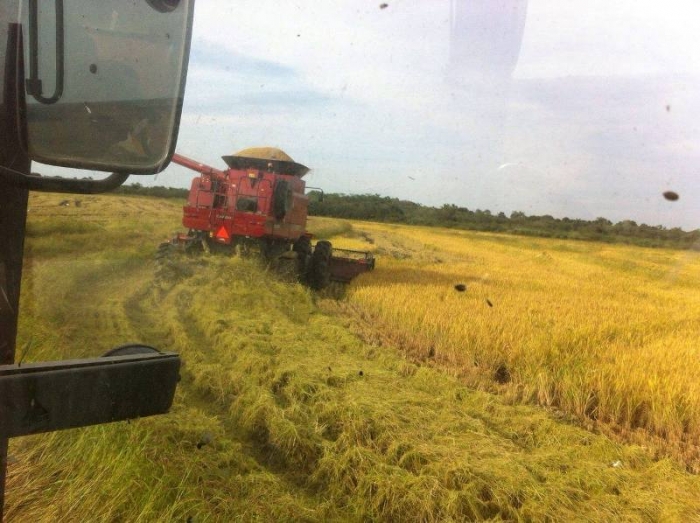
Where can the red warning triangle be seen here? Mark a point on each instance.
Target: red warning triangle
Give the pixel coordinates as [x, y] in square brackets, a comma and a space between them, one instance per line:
[222, 233]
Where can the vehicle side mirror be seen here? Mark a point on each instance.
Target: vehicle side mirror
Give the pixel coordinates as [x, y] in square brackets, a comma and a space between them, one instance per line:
[104, 81]
[320, 192]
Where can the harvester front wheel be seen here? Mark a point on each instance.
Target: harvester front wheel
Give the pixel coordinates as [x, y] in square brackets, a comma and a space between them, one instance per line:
[304, 252]
[320, 271]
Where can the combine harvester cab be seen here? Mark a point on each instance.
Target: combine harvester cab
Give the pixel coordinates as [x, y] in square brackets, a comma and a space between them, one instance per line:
[260, 202]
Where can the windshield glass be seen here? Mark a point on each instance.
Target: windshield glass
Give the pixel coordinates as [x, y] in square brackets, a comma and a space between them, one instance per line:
[479, 301]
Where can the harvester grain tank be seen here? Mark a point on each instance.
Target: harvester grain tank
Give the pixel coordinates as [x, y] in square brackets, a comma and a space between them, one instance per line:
[259, 201]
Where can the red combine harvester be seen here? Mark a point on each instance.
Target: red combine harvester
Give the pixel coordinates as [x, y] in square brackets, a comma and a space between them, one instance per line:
[259, 202]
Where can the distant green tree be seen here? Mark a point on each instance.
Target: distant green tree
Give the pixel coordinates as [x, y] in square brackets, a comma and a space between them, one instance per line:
[377, 208]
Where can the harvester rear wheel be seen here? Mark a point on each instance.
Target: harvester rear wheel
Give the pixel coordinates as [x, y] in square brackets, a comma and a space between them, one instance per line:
[320, 271]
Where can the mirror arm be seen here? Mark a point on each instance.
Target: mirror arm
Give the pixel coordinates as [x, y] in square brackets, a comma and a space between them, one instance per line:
[36, 182]
[320, 199]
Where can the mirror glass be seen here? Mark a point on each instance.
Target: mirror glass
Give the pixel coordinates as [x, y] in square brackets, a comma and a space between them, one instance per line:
[105, 81]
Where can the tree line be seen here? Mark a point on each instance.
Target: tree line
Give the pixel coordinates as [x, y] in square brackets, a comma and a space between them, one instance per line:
[374, 207]
[157, 192]
[385, 209]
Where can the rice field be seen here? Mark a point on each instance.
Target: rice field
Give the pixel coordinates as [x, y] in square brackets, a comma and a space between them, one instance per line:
[396, 399]
[607, 333]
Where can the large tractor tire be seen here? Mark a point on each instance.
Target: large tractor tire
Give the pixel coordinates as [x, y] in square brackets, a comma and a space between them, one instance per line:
[320, 271]
[302, 247]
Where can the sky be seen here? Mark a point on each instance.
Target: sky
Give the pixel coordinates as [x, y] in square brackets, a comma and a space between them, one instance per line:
[578, 109]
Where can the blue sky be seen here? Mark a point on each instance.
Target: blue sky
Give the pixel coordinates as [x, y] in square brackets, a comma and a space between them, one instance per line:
[597, 117]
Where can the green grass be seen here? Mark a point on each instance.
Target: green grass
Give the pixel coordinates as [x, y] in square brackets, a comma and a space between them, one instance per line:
[283, 413]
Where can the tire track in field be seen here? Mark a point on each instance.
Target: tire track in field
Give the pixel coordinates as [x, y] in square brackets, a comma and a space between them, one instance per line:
[174, 328]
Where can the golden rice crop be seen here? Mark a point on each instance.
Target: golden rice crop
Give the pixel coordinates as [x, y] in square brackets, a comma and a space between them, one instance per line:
[605, 332]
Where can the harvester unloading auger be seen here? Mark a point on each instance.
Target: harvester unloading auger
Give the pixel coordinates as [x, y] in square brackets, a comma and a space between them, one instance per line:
[259, 202]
